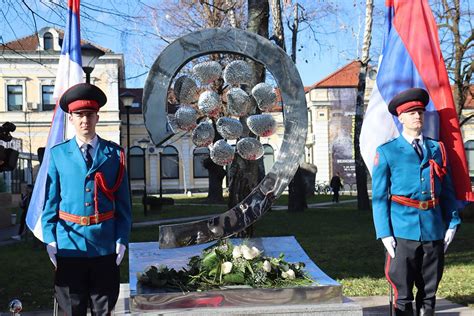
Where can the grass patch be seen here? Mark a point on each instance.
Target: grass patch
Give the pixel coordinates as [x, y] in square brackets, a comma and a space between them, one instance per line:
[339, 239]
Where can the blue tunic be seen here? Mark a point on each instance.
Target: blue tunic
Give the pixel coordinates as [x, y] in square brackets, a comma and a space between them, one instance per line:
[399, 171]
[70, 188]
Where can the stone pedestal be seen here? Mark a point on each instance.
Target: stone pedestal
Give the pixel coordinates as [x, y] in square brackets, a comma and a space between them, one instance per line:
[324, 297]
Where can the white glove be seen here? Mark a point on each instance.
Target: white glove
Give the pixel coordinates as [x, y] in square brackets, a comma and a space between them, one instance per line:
[448, 238]
[120, 251]
[52, 250]
[389, 244]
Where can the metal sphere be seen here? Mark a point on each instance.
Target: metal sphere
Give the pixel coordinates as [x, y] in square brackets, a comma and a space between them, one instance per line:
[262, 125]
[250, 148]
[186, 117]
[222, 153]
[207, 71]
[15, 306]
[229, 128]
[203, 134]
[238, 102]
[186, 90]
[209, 103]
[238, 72]
[265, 96]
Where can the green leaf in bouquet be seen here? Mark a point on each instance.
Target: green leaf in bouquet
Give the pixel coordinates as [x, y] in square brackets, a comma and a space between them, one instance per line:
[209, 260]
[234, 278]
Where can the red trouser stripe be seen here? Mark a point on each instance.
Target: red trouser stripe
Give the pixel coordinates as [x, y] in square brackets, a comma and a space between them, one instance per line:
[395, 291]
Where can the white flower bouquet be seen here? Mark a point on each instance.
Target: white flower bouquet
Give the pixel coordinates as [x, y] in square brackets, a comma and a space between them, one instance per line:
[225, 265]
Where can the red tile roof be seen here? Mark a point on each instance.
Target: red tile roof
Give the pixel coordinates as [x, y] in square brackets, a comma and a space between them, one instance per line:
[347, 76]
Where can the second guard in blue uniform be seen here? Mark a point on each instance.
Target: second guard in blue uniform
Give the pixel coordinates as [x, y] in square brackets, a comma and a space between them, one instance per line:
[414, 206]
[87, 214]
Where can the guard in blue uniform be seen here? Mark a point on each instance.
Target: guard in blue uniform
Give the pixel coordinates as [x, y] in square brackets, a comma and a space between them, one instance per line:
[87, 214]
[414, 206]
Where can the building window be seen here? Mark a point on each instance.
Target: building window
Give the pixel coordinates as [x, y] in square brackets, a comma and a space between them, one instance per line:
[199, 155]
[169, 162]
[48, 41]
[268, 157]
[137, 163]
[15, 97]
[469, 147]
[47, 98]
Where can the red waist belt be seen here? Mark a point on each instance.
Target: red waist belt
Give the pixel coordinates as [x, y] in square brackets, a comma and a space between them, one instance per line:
[422, 205]
[86, 220]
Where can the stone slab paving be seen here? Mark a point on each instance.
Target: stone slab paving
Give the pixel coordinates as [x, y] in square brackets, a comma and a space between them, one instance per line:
[371, 305]
[379, 306]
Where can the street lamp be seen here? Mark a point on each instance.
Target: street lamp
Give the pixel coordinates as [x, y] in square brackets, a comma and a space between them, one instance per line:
[127, 100]
[143, 143]
[90, 55]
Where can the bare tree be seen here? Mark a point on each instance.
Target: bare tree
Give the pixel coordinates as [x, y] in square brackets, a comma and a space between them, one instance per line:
[454, 18]
[294, 28]
[361, 169]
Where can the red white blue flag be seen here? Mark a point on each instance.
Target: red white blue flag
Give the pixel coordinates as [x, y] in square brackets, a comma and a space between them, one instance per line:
[69, 73]
[412, 58]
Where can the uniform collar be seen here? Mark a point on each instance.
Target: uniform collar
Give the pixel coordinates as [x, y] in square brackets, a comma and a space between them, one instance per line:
[410, 139]
[94, 142]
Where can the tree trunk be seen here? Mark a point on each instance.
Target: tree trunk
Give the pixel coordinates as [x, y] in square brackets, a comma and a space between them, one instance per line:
[278, 34]
[296, 188]
[361, 169]
[294, 32]
[216, 172]
[216, 175]
[244, 174]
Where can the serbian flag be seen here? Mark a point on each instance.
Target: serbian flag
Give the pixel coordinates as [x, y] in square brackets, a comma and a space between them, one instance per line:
[411, 58]
[69, 73]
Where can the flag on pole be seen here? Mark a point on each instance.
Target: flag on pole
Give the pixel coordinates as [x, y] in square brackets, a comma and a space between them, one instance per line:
[69, 73]
[411, 58]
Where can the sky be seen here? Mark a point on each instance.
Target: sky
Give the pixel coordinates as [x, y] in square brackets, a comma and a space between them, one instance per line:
[113, 25]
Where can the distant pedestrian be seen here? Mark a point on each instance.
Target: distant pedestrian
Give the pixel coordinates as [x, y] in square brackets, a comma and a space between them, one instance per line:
[336, 185]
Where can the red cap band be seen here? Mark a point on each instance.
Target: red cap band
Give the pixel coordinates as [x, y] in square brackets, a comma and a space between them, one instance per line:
[410, 106]
[80, 105]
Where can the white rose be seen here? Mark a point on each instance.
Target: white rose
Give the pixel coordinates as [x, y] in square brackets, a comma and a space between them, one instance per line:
[226, 267]
[250, 253]
[256, 251]
[291, 274]
[237, 252]
[267, 267]
[284, 275]
[247, 253]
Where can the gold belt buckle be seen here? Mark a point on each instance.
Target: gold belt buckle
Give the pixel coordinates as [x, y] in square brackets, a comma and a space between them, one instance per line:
[85, 220]
[423, 205]
[96, 216]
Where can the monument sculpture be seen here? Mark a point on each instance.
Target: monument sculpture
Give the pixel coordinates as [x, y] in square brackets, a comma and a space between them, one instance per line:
[248, 45]
[202, 113]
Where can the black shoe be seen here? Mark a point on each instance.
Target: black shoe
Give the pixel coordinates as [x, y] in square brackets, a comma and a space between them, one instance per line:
[399, 312]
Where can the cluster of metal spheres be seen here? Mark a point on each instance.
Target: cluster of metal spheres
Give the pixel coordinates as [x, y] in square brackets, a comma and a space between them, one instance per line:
[204, 112]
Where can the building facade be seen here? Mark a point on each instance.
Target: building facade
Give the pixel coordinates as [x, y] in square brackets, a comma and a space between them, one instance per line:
[27, 76]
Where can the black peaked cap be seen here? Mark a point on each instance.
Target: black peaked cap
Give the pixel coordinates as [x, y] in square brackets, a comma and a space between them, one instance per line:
[82, 91]
[413, 94]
